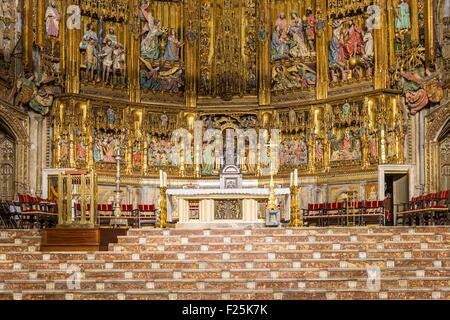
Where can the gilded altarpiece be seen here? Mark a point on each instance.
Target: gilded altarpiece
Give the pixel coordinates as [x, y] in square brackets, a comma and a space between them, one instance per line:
[228, 48]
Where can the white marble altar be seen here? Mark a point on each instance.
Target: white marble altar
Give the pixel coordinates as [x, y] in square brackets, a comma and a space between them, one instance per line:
[178, 205]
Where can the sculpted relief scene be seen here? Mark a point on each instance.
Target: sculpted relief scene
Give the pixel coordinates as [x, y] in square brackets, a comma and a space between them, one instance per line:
[349, 85]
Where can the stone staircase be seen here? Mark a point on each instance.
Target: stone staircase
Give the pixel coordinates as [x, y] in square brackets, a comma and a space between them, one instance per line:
[258, 263]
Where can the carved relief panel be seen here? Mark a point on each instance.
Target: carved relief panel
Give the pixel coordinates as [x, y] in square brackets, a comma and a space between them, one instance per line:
[293, 46]
[161, 55]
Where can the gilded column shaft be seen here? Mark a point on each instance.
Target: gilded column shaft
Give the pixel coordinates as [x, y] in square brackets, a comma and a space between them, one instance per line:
[429, 28]
[322, 53]
[264, 56]
[191, 52]
[40, 23]
[414, 22]
[381, 54]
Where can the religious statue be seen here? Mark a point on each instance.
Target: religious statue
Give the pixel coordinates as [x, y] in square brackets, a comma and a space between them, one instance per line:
[208, 156]
[336, 47]
[89, 44]
[52, 18]
[292, 118]
[279, 45]
[136, 153]
[319, 151]
[373, 147]
[373, 20]
[150, 47]
[164, 121]
[81, 148]
[299, 48]
[73, 17]
[354, 44]
[402, 16]
[110, 36]
[98, 154]
[63, 143]
[107, 55]
[310, 29]
[172, 52]
[119, 63]
[111, 116]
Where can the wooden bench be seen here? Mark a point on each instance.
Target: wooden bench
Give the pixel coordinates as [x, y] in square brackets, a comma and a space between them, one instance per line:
[429, 209]
[358, 212]
[35, 212]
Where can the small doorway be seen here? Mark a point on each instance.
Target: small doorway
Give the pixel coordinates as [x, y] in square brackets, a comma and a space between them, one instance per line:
[396, 191]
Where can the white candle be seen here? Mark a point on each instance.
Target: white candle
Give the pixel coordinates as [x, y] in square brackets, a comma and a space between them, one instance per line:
[295, 177]
[160, 178]
[165, 179]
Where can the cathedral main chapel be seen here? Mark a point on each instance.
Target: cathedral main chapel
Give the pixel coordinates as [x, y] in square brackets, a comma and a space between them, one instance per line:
[275, 145]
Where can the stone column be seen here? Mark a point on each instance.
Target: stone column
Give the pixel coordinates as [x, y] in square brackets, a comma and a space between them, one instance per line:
[249, 210]
[206, 210]
[183, 210]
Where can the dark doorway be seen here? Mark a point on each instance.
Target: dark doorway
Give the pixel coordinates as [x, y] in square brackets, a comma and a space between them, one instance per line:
[396, 192]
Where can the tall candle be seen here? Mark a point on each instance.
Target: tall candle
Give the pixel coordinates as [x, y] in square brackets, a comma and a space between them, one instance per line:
[160, 178]
[165, 179]
[295, 177]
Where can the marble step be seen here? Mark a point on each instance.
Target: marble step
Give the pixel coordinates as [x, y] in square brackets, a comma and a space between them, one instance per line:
[270, 246]
[208, 274]
[388, 254]
[229, 284]
[336, 238]
[15, 233]
[292, 231]
[130, 265]
[350, 294]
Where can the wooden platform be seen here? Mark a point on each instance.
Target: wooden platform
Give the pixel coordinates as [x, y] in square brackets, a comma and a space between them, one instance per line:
[80, 239]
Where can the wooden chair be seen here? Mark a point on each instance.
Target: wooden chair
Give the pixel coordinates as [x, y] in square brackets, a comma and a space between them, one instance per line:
[146, 214]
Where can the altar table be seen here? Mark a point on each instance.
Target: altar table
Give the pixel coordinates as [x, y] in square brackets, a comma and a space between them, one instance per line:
[221, 206]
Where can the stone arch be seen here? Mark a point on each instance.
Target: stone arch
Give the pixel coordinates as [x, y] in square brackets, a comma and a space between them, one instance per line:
[14, 121]
[435, 123]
